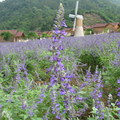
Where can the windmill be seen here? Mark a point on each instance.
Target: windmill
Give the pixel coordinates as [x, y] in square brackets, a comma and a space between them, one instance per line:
[78, 22]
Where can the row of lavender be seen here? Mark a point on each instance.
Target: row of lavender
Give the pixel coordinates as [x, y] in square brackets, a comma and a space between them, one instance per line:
[73, 42]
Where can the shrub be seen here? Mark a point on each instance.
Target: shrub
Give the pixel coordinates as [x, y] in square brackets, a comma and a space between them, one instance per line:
[6, 35]
[91, 59]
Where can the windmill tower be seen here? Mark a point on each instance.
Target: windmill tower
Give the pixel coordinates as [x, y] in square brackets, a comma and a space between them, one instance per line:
[78, 22]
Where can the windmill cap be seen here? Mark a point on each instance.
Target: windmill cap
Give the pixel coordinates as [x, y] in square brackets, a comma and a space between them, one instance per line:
[80, 17]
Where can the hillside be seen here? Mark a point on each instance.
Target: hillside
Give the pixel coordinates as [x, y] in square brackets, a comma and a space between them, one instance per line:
[116, 2]
[92, 18]
[28, 15]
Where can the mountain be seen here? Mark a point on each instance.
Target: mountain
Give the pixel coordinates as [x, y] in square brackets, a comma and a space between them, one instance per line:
[116, 2]
[31, 15]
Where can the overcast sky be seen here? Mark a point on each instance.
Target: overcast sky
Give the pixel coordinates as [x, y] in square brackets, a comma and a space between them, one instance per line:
[1, 0]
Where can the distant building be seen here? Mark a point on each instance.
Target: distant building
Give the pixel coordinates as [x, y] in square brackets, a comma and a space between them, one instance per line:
[105, 27]
[47, 32]
[44, 34]
[17, 35]
[97, 28]
[50, 33]
[38, 33]
[69, 31]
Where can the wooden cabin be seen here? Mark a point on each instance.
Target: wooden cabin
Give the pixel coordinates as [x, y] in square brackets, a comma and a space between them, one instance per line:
[17, 35]
[105, 27]
[69, 31]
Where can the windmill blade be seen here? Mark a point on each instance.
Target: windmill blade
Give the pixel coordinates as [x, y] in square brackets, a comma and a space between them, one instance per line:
[74, 25]
[71, 16]
[76, 8]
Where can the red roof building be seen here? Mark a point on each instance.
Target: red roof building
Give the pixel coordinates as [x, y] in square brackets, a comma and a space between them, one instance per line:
[17, 35]
[104, 27]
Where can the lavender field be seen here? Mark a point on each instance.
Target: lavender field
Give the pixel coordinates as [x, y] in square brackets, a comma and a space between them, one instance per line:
[79, 83]
[63, 78]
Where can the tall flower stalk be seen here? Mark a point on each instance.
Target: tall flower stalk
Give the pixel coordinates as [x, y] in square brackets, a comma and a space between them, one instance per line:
[97, 95]
[59, 76]
[118, 103]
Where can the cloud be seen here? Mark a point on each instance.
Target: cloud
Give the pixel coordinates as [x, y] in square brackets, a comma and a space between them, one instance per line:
[2, 0]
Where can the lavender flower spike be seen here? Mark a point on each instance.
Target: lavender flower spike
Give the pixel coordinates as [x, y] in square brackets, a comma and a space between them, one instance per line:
[118, 81]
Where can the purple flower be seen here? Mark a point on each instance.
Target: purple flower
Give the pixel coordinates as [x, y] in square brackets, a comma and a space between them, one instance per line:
[62, 37]
[118, 94]
[99, 85]
[25, 73]
[57, 31]
[60, 48]
[1, 106]
[63, 23]
[100, 94]
[40, 101]
[23, 67]
[31, 113]
[49, 69]
[118, 81]
[79, 98]
[62, 79]
[57, 105]
[65, 102]
[10, 100]
[83, 85]
[58, 53]
[24, 107]
[62, 92]
[55, 58]
[119, 112]
[55, 39]
[26, 78]
[118, 103]
[42, 95]
[61, 65]
[72, 90]
[118, 89]
[56, 69]
[69, 76]
[58, 117]
[65, 85]
[18, 77]
[97, 101]
[45, 118]
[59, 60]
[53, 80]
[53, 112]
[63, 32]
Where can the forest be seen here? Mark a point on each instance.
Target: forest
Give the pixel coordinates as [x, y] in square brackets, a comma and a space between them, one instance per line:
[31, 15]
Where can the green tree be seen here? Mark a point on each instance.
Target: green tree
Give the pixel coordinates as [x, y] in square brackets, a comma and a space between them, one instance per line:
[89, 31]
[31, 15]
[32, 35]
[6, 35]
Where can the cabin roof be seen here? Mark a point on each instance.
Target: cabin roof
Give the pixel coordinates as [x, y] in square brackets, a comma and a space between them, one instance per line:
[101, 25]
[16, 33]
[115, 24]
